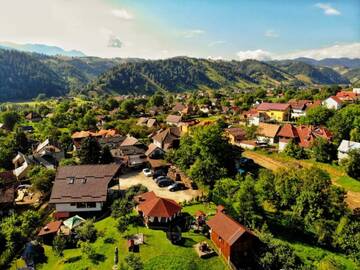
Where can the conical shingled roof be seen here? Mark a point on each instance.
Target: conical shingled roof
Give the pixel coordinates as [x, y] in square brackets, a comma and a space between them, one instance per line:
[159, 207]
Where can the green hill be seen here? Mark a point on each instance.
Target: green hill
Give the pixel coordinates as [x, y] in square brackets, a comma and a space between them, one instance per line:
[186, 74]
[310, 74]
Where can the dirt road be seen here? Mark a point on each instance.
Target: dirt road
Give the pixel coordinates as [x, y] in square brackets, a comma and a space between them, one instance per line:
[352, 198]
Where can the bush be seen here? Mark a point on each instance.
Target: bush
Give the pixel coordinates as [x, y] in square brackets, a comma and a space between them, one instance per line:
[134, 262]
[59, 244]
[87, 231]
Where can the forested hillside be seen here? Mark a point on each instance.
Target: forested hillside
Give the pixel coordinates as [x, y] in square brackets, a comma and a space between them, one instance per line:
[310, 74]
[184, 74]
[26, 75]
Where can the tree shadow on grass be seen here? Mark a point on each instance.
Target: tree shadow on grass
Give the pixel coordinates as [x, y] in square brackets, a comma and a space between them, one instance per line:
[97, 258]
[73, 259]
[187, 242]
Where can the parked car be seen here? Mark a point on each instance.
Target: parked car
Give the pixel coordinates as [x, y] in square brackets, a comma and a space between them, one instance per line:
[147, 172]
[159, 173]
[194, 186]
[162, 177]
[166, 182]
[176, 186]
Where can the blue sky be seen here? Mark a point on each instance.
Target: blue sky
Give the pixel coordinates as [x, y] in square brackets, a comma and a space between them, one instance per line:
[203, 28]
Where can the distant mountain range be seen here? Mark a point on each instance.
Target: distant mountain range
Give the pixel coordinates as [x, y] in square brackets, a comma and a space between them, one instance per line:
[25, 75]
[331, 62]
[41, 49]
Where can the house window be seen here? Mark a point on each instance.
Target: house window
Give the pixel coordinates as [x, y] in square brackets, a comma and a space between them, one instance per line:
[71, 180]
[91, 205]
[81, 205]
[72, 204]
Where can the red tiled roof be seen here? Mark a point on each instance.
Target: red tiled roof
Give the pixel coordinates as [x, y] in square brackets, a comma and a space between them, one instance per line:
[51, 227]
[159, 207]
[147, 196]
[265, 106]
[336, 99]
[308, 134]
[227, 228]
[288, 131]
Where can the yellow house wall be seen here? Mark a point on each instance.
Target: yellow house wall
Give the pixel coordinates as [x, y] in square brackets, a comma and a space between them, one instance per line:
[276, 115]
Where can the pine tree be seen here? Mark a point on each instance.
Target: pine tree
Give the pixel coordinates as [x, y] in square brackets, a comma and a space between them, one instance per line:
[106, 156]
[89, 151]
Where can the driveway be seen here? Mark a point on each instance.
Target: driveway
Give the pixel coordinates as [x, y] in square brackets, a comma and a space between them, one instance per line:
[133, 178]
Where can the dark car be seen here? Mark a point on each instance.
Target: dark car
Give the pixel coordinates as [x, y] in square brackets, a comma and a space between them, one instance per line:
[160, 178]
[165, 183]
[159, 173]
[176, 187]
[194, 186]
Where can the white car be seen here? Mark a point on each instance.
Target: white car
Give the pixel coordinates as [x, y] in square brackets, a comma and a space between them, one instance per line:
[147, 172]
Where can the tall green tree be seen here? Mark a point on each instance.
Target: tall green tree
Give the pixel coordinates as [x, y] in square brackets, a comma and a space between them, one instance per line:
[90, 151]
[323, 151]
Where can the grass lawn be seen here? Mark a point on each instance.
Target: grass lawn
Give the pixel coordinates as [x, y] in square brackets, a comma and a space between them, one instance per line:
[156, 253]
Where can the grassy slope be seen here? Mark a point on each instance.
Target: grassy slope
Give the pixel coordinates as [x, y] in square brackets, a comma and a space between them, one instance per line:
[154, 253]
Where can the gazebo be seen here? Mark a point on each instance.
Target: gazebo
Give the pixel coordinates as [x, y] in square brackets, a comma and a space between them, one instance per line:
[73, 222]
[158, 211]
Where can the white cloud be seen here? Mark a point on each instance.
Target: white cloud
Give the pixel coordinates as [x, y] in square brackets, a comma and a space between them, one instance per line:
[271, 34]
[351, 50]
[216, 43]
[254, 54]
[328, 9]
[122, 14]
[215, 58]
[192, 33]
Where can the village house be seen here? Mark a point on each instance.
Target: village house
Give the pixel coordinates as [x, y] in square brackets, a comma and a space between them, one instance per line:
[79, 136]
[299, 107]
[275, 111]
[22, 165]
[154, 152]
[233, 240]
[33, 117]
[48, 154]
[148, 122]
[235, 135]
[348, 96]
[253, 117]
[168, 138]
[332, 103]
[82, 188]
[173, 120]
[157, 211]
[303, 135]
[267, 133]
[345, 147]
[178, 108]
[131, 155]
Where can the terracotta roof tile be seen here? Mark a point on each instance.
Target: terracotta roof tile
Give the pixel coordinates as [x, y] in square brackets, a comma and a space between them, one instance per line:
[51, 227]
[227, 228]
[159, 207]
